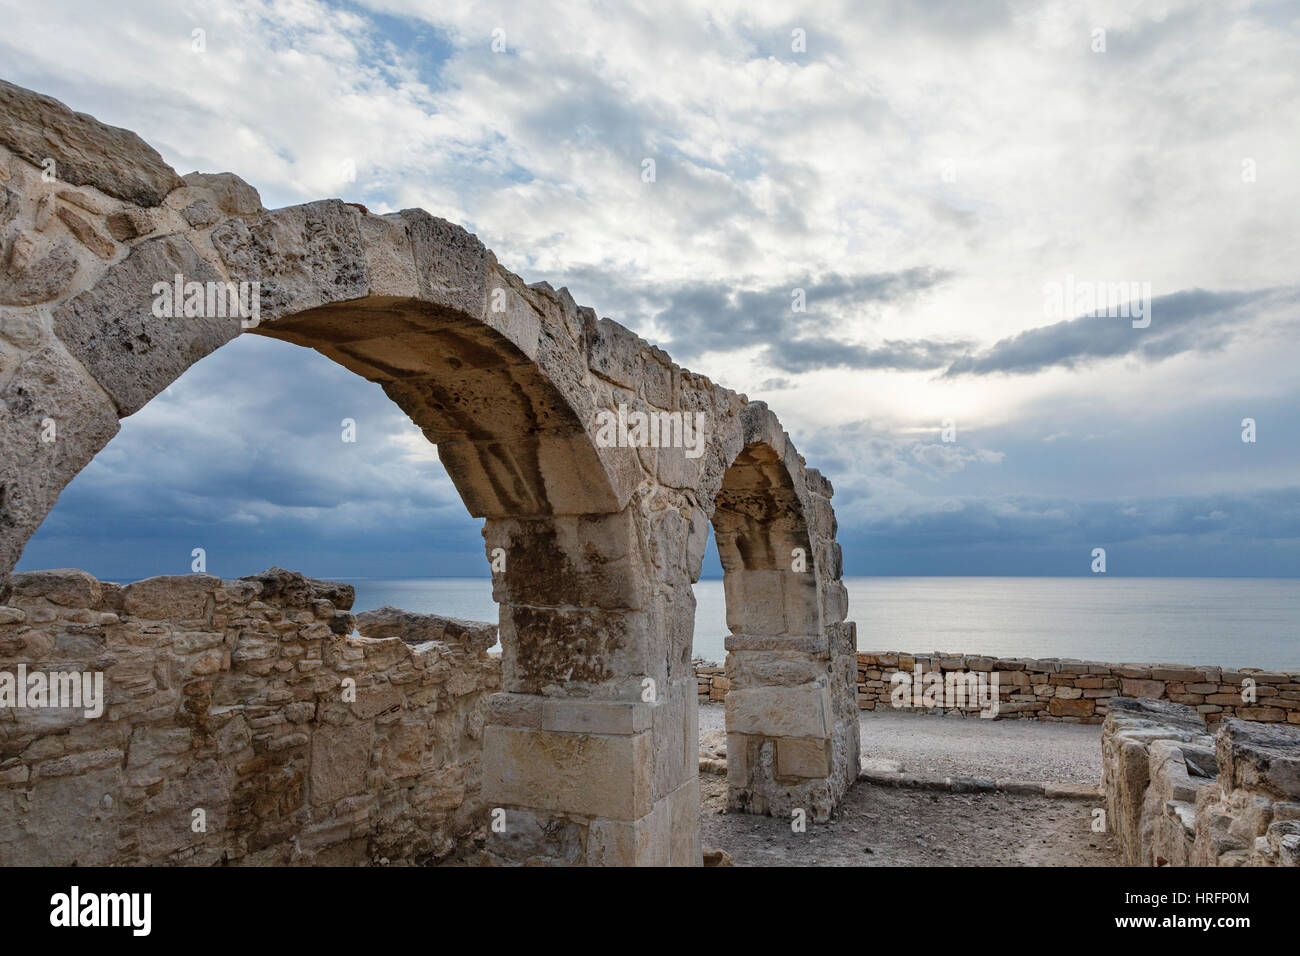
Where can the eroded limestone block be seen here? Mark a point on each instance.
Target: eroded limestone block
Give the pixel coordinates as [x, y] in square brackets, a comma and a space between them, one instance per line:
[1259, 757]
[780, 711]
[231, 194]
[29, 280]
[415, 628]
[86, 152]
[301, 256]
[600, 775]
[112, 331]
[66, 587]
[452, 266]
[186, 597]
[53, 419]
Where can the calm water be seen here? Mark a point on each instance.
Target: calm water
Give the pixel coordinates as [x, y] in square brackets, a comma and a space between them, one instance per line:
[1236, 622]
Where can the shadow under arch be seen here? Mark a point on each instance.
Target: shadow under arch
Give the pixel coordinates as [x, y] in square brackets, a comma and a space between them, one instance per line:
[511, 443]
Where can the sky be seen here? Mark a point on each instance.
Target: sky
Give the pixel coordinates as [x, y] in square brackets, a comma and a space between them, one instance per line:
[932, 176]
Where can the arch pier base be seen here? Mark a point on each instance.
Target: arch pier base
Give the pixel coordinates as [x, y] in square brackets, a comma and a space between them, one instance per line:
[578, 783]
[791, 733]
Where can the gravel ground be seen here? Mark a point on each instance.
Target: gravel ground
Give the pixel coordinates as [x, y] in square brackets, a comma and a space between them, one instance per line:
[886, 826]
[965, 746]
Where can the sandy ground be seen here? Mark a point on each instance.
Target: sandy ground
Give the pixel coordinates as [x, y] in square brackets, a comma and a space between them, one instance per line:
[884, 826]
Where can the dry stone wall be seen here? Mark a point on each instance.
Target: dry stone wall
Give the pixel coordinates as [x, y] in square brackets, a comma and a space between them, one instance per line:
[1076, 691]
[243, 722]
[1070, 691]
[596, 463]
[1178, 796]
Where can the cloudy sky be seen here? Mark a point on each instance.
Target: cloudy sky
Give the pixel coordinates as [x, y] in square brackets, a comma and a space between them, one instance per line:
[928, 173]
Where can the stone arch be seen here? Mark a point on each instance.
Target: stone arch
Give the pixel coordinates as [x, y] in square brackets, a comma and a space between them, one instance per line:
[591, 747]
[792, 732]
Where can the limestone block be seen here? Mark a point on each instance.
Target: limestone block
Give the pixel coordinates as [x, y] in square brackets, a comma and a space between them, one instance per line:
[511, 314]
[539, 838]
[86, 152]
[110, 328]
[1259, 757]
[415, 628]
[1133, 687]
[515, 710]
[303, 257]
[33, 277]
[780, 711]
[758, 668]
[66, 587]
[229, 193]
[49, 386]
[578, 715]
[599, 775]
[643, 842]
[176, 596]
[803, 757]
[451, 265]
[546, 647]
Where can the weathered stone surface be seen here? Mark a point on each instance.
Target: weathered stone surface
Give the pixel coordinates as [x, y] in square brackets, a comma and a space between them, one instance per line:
[288, 767]
[110, 328]
[1259, 757]
[185, 597]
[415, 628]
[29, 282]
[86, 152]
[608, 776]
[87, 234]
[452, 265]
[38, 458]
[66, 587]
[230, 193]
[302, 256]
[780, 711]
[200, 213]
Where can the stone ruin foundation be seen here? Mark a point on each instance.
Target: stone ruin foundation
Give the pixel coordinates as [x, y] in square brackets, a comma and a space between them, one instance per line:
[1177, 796]
[229, 692]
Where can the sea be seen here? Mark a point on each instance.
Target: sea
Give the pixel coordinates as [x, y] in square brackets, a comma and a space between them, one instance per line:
[1232, 622]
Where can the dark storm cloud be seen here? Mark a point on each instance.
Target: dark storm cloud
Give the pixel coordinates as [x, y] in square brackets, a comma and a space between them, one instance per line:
[715, 316]
[704, 317]
[1190, 321]
[1219, 535]
[244, 456]
[807, 355]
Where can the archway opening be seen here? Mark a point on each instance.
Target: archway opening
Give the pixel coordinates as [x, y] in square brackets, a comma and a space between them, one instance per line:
[791, 713]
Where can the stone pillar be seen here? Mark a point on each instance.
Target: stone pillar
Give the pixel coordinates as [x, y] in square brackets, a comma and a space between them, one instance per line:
[590, 753]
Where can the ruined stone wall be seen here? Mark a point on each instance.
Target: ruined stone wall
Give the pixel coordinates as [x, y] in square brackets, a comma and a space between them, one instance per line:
[1178, 796]
[1069, 691]
[229, 697]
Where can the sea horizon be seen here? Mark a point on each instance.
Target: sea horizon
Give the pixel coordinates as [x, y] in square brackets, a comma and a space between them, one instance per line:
[1203, 621]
